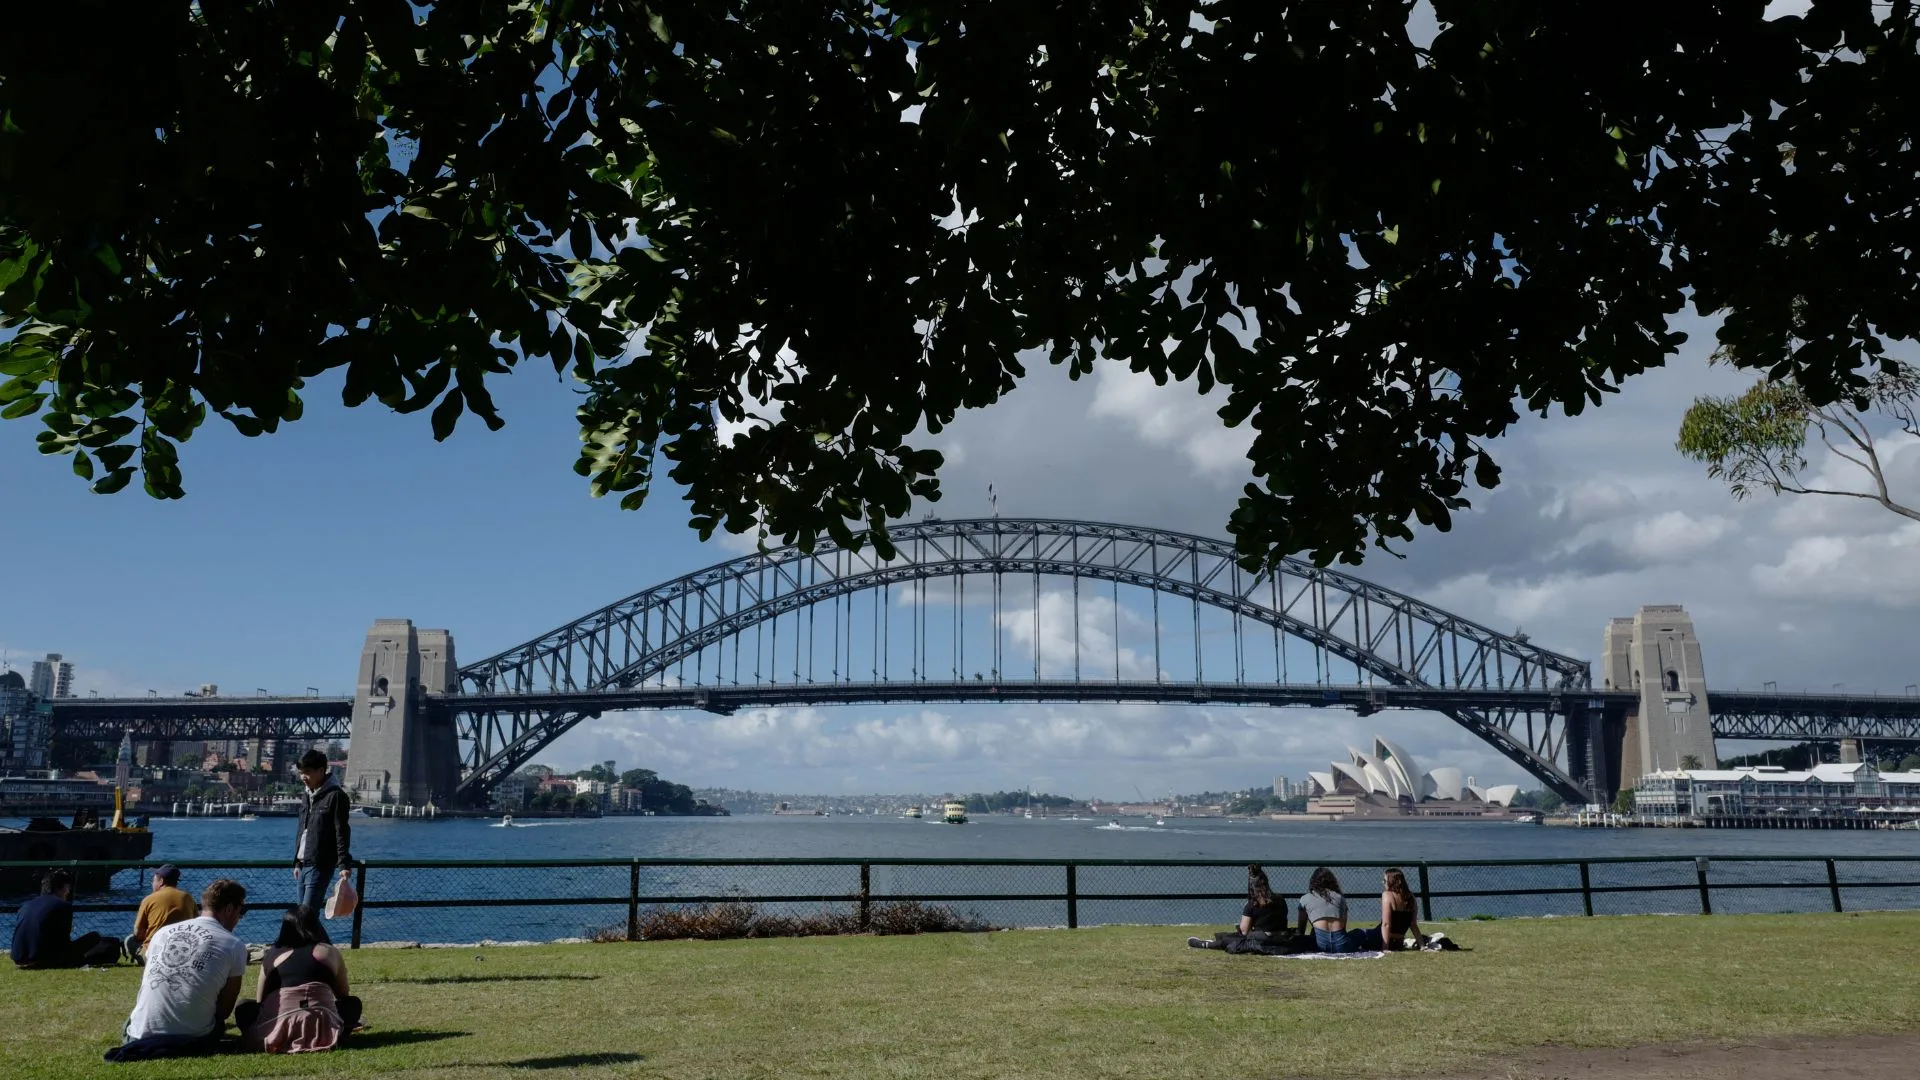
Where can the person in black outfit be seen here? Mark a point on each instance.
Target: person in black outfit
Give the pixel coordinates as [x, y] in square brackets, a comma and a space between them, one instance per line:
[301, 955]
[43, 931]
[325, 838]
[1263, 922]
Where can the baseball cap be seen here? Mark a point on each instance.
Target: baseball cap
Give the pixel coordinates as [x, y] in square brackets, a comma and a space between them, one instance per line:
[168, 873]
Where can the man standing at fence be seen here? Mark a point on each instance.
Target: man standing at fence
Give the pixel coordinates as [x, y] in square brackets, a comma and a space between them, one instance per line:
[325, 839]
[167, 904]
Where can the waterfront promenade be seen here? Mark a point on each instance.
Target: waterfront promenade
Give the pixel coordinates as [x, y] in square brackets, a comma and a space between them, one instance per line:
[1640, 996]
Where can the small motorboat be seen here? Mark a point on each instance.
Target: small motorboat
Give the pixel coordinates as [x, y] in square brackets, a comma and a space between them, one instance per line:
[506, 821]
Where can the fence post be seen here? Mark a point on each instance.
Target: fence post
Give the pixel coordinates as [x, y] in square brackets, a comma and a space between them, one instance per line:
[1073, 897]
[1706, 900]
[359, 909]
[1586, 888]
[1426, 901]
[633, 901]
[866, 896]
[1833, 884]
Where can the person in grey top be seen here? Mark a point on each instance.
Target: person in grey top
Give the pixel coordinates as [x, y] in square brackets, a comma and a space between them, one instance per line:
[1325, 909]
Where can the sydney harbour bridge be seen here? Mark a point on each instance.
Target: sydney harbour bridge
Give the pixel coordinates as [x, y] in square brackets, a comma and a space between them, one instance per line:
[980, 611]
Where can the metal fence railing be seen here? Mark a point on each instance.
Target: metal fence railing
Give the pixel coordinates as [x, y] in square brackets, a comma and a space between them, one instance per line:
[470, 901]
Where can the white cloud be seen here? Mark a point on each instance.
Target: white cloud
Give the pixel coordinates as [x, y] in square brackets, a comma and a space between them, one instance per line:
[1059, 635]
[1174, 416]
[1104, 751]
[1881, 569]
[1675, 535]
[1501, 605]
[1587, 501]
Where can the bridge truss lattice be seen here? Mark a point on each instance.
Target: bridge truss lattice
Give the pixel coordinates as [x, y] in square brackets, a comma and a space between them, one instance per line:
[1011, 609]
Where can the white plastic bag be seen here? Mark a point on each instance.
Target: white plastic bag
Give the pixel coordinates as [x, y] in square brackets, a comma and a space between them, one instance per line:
[343, 899]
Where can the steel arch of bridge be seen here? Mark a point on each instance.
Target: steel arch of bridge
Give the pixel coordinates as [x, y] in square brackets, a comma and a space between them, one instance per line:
[1388, 637]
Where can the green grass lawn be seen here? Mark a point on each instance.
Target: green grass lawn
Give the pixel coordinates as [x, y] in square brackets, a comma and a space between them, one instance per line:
[1110, 1002]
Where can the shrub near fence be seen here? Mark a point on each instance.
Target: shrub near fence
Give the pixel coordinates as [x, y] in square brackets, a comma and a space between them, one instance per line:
[454, 901]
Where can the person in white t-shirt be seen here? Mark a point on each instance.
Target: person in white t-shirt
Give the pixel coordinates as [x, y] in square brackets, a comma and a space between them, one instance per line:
[193, 974]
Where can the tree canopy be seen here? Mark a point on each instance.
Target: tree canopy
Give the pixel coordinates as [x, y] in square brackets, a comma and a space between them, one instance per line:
[1376, 241]
[1757, 440]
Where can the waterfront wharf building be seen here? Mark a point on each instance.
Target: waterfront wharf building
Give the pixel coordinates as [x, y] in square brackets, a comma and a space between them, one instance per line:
[1854, 788]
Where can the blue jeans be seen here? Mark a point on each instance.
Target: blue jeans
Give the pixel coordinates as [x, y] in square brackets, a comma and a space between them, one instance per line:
[312, 888]
[1346, 940]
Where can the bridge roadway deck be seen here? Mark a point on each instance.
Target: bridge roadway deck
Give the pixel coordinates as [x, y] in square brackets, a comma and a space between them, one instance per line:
[724, 699]
[1736, 714]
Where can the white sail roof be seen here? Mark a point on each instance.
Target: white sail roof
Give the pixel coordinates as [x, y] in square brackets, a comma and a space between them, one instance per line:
[1406, 771]
[1446, 782]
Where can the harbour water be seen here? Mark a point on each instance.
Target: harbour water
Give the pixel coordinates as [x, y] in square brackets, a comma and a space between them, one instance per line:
[998, 837]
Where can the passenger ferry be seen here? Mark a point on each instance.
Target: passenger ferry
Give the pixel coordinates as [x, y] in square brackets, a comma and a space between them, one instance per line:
[911, 812]
[956, 813]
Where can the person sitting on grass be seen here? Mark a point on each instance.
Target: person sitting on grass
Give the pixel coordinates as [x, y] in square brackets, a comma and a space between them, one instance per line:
[303, 1002]
[167, 904]
[1263, 919]
[191, 982]
[1397, 916]
[43, 931]
[1325, 909]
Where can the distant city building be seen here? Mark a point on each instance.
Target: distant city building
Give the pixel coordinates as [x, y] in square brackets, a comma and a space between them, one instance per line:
[598, 790]
[511, 792]
[1770, 789]
[52, 677]
[23, 733]
[1388, 783]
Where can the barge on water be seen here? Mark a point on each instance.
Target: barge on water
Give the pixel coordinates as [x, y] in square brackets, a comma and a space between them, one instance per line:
[47, 842]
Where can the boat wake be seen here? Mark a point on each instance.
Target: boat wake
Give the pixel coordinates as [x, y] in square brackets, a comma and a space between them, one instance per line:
[1112, 826]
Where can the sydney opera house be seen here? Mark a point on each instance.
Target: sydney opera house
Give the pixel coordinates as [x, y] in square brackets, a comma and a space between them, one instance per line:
[1388, 784]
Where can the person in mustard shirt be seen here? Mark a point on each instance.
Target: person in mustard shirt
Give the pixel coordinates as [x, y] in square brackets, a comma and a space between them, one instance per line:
[167, 903]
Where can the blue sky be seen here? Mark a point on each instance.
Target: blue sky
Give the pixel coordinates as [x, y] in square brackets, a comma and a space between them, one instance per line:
[287, 546]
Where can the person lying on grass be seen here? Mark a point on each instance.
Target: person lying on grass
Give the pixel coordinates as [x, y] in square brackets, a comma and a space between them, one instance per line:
[303, 1001]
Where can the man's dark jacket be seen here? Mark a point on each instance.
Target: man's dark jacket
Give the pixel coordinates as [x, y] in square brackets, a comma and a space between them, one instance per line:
[42, 932]
[325, 838]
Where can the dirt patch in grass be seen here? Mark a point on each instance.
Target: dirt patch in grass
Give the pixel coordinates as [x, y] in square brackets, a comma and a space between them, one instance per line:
[1860, 1057]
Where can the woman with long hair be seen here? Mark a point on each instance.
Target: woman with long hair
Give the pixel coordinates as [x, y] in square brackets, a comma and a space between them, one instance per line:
[1397, 915]
[1324, 909]
[1263, 918]
[303, 1002]
[1264, 912]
